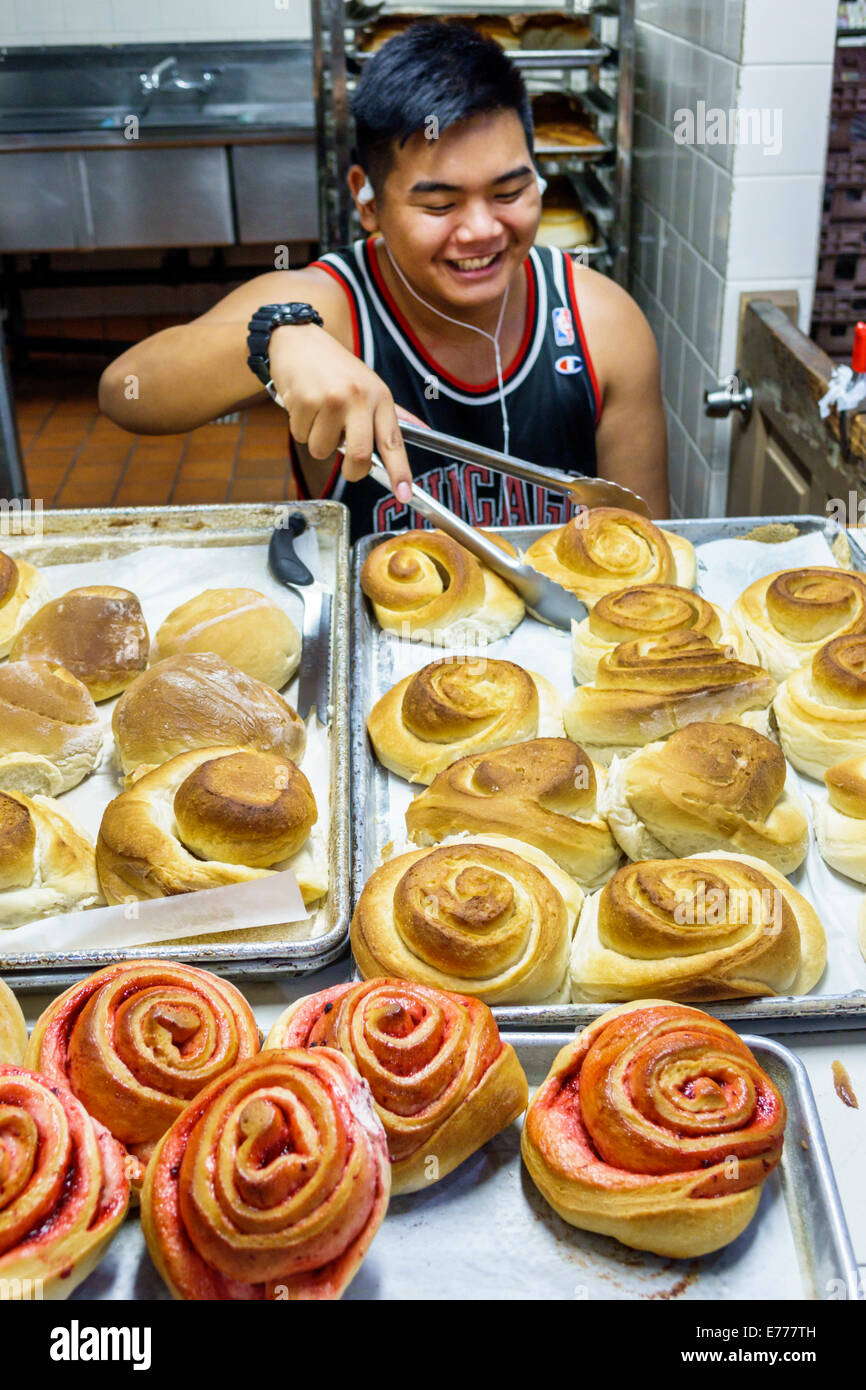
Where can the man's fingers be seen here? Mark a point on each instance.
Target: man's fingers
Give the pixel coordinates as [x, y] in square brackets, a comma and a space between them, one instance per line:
[325, 435]
[410, 418]
[393, 450]
[358, 446]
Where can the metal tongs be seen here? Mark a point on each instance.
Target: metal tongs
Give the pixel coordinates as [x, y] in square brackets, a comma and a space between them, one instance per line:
[544, 598]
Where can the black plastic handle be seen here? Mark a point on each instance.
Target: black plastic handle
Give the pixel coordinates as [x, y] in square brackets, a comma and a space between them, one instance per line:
[284, 563]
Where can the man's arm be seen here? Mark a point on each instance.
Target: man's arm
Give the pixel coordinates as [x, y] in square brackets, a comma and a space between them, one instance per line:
[631, 439]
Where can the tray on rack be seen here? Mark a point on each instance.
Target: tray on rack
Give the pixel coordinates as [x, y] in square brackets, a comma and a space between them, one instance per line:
[485, 1232]
[78, 537]
[380, 660]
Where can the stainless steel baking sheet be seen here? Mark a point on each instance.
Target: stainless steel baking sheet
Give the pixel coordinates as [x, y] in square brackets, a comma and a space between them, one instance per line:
[75, 536]
[373, 787]
[485, 1232]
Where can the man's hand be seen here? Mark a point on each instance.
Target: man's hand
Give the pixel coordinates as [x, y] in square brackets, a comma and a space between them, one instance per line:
[335, 401]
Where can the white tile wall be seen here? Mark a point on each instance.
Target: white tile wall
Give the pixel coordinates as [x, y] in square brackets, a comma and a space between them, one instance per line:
[714, 218]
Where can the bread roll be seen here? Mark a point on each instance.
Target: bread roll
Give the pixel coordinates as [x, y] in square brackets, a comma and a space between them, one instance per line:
[840, 824]
[488, 917]
[23, 590]
[64, 1189]
[242, 626]
[607, 548]
[564, 227]
[647, 689]
[712, 926]
[544, 792]
[456, 706]
[790, 614]
[649, 610]
[658, 1127]
[555, 30]
[710, 786]
[46, 862]
[200, 701]
[821, 710]
[208, 818]
[50, 735]
[427, 588]
[98, 633]
[443, 1081]
[13, 1029]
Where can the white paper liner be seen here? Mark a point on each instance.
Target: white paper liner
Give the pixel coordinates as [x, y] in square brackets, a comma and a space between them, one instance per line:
[163, 577]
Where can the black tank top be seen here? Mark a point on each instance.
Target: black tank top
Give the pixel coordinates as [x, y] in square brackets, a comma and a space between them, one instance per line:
[550, 389]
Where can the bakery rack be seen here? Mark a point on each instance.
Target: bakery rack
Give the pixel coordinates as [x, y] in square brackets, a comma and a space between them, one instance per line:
[601, 75]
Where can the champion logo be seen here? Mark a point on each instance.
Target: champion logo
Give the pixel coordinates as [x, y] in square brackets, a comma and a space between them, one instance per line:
[568, 366]
[563, 327]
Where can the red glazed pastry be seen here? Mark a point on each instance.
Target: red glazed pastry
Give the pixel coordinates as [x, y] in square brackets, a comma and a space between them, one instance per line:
[656, 1126]
[137, 1041]
[63, 1189]
[443, 1080]
[271, 1184]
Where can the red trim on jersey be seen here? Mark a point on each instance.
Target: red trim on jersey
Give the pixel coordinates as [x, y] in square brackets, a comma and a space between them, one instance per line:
[300, 481]
[513, 367]
[349, 293]
[569, 263]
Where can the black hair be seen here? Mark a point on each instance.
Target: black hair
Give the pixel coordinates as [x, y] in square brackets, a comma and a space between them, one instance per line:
[437, 68]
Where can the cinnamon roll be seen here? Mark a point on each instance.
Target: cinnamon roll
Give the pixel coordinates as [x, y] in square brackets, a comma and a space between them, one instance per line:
[546, 791]
[656, 1126]
[425, 587]
[443, 1081]
[821, 710]
[137, 1041]
[63, 1189]
[710, 786]
[840, 824]
[644, 690]
[606, 548]
[13, 1030]
[271, 1184]
[649, 611]
[790, 614]
[457, 706]
[714, 926]
[488, 917]
[23, 590]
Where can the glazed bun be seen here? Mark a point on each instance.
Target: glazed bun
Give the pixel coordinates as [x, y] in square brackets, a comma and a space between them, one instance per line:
[23, 590]
[789, 615]
[98, 633]
[607, 548]
[200, 701]
[821, 710]
[50, 736]
[244, 627]
[840, 824]
[46, 862]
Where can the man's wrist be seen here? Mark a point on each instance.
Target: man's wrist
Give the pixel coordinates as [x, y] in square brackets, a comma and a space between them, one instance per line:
[262, 326]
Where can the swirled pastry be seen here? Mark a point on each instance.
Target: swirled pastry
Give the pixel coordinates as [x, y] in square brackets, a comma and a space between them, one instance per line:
[649, 611]
[23, 590]
[710, 786]
[271, 1184]
[50, 736]
[208, 818]
[13, 1029]
[137, 1041]
[821, 710]
[644, 690]
[244, 627]
[200, 701]
[714, 926]
[46, 862]
[545, 791]
[455, 707]
[607, 548]
[426, 587]
[97, 632]
[790, 614]
[443, 1081]
[656, 1126]
[63, 1190]
[840, 823]
[488, 917]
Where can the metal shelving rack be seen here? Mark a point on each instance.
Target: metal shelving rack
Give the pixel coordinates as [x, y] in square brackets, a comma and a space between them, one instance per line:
[602, 76]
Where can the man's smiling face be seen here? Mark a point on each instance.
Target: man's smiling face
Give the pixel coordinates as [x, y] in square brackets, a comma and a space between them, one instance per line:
[460, 212]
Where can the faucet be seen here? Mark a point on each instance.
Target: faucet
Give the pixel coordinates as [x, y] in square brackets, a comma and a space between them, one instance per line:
[157, 80]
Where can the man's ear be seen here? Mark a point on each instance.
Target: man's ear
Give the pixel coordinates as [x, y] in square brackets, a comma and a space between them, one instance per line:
[367, 208]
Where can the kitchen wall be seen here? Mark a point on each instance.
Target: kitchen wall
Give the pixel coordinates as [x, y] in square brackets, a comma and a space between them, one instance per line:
[722, 207]
[151, 21]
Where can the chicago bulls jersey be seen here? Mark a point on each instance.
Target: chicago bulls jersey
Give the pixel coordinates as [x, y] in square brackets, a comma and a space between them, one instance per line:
[550, 388]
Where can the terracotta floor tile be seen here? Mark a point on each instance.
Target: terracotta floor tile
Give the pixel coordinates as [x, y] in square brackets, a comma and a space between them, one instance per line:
[200, 451]
[199, 491]
[195, 470]
[104, 455]
[39, 454]
[262, 468]
[258, 490]
[83, 491]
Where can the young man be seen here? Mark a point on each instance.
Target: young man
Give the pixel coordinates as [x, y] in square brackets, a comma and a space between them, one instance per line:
[446, 313]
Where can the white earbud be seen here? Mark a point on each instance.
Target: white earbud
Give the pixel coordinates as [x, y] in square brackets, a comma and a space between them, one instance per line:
[540, 183]
[366, 193]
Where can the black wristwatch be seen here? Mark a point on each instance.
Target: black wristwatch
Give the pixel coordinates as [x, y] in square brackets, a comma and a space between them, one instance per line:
[262, 325]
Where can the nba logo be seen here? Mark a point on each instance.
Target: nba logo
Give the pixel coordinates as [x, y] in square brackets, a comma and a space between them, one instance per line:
[563, 328]
[567, 366]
